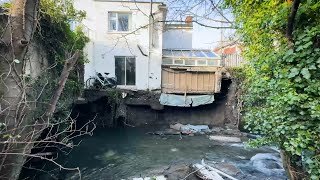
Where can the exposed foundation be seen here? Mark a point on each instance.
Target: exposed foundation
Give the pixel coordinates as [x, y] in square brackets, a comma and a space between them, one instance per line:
[138, 108]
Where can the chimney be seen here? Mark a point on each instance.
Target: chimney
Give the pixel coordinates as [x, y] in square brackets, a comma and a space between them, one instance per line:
[189, 20]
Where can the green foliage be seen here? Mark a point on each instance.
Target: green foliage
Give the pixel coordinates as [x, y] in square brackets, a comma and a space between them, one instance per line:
[60, 42]
[61, 11]
[55, 33]
[114, 100]
[282, 100]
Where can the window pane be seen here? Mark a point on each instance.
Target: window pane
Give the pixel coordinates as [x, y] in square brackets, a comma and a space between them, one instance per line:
[190, 62]
[188, 53]
[120, 70]
[112, 15]
[212, 63]
[131, 70]
[202, 62]
[167, 53]
[179, 62]
[167, 61]
[112, 25]
[210, 54]
[177, 53]
[123, 22]
[199, 54]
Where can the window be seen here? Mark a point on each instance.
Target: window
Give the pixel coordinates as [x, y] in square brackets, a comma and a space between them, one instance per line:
[119, 21]
[125, 70]
[201, 62]
[178, 62]
[167, 61]
[190, 62]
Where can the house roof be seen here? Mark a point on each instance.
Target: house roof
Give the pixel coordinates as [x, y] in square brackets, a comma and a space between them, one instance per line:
[190, 53]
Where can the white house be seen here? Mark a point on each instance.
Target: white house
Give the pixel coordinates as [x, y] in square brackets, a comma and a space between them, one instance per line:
[131, 41]
[125, 41]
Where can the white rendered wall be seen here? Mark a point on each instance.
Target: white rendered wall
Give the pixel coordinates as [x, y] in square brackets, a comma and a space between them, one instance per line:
[177, 38]
[105, 45]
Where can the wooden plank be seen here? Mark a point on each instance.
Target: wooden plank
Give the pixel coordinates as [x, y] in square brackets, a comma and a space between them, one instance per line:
[164, 79]
[170, 80]
[200, 81]
[188, 81]
[183, 81]
[176, 81]
[212, 81]
[206, 82]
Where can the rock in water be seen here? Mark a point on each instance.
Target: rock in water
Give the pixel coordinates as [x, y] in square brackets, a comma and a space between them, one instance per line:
[225, 139]
[268, 163]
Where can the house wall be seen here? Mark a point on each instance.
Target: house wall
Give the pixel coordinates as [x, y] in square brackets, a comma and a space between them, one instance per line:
[105, 45]
[177, 38]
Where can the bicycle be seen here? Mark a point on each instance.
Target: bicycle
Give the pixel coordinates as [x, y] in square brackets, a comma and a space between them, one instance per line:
[101, 82]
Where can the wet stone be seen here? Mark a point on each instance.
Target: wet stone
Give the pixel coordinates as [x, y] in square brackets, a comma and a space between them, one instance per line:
[228, 168]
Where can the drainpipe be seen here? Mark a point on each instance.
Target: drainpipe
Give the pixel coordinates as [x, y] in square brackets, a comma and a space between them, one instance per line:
[151, 26]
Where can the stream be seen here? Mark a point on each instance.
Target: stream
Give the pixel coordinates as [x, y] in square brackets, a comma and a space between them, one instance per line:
[129, 152]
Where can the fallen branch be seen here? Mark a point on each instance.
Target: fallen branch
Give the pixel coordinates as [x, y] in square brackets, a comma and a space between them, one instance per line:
[69, 64]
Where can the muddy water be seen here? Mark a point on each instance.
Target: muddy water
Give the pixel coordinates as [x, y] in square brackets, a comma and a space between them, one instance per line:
[122, 153]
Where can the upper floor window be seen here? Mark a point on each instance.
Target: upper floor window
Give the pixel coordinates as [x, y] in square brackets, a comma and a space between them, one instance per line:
[119, 21]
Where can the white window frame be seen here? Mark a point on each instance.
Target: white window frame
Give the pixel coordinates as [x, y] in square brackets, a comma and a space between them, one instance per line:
[125, 70]
[117, 18]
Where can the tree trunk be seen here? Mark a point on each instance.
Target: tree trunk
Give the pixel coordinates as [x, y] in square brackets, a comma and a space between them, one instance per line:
[13, 106]
[293, 171]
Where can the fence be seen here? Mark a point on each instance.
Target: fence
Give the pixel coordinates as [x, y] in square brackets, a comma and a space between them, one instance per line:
[232, 60]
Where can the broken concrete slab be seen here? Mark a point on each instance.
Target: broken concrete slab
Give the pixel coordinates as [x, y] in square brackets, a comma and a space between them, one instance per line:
[176, 126]
[225, 139]
[151, 178]
[203, 173]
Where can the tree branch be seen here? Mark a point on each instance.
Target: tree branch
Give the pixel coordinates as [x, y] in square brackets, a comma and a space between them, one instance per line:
[291, 18]
[62, 81]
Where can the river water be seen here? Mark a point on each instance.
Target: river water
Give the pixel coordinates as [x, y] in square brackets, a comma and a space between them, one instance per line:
[114, 154]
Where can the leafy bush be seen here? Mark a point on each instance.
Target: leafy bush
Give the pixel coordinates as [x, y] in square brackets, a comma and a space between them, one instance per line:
[282, 101]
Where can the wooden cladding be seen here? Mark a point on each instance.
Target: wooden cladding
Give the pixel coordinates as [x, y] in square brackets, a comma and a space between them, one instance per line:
[181, 81]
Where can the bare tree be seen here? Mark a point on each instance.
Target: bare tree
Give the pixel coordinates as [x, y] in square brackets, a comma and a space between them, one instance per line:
[19, 131]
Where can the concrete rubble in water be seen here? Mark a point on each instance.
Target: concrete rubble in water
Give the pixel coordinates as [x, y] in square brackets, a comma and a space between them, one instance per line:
[188, 129]
[204, 173]
[151, 178]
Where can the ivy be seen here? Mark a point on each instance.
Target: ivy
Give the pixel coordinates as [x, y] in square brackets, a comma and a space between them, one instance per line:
[60, 42]
[282, 99]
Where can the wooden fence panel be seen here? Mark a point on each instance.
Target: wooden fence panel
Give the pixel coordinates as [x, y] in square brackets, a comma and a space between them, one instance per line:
[181, 82]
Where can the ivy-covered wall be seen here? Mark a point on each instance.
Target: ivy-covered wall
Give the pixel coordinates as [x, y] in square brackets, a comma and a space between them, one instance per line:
[58, 42]
[282, 100]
